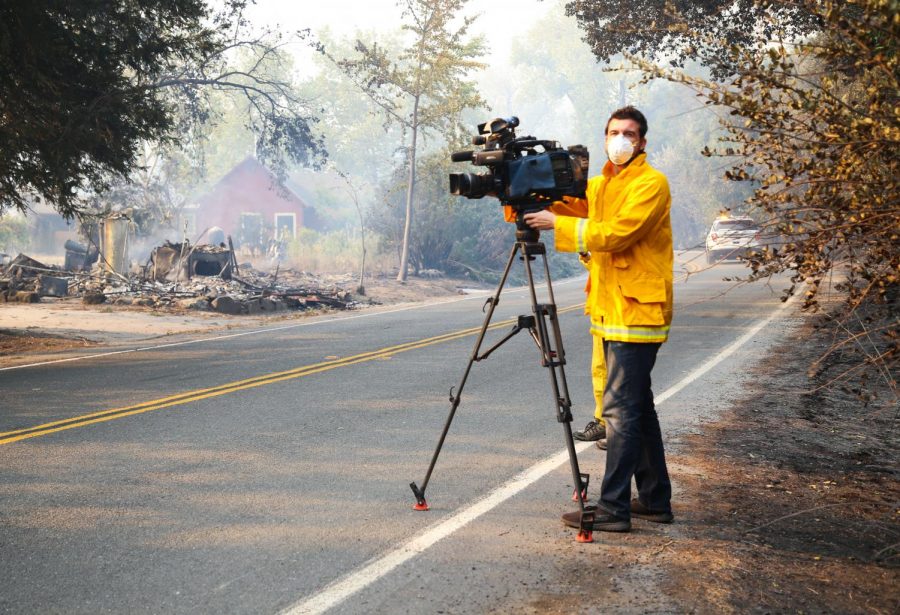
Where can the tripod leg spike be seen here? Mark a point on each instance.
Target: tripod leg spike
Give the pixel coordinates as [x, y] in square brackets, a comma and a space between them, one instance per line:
[585, 481]
[585, 536]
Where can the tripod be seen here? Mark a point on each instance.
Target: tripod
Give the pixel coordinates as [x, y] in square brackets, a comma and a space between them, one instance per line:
[543, 326]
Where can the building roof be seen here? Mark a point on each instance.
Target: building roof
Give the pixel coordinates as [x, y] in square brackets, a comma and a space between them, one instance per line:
[250, 185]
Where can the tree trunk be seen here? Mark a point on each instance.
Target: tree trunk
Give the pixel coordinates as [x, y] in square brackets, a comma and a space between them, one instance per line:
[410, 193]
[361, 289]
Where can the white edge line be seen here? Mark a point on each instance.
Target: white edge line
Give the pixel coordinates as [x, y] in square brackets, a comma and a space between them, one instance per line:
[724, 353]
[271, 329]
[344, 587]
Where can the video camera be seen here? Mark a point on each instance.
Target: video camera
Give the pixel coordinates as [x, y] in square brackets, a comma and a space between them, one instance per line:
[527, 174]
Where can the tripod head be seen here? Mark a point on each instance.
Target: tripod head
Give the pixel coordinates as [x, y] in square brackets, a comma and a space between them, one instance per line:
[524, 232]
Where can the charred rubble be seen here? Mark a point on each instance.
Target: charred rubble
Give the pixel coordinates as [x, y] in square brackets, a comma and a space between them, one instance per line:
[176, 276]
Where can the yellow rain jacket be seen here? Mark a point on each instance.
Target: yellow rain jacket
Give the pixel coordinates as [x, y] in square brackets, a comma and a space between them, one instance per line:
[624, 225]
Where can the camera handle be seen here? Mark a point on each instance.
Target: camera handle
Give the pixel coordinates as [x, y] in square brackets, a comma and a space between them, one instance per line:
[543, 326]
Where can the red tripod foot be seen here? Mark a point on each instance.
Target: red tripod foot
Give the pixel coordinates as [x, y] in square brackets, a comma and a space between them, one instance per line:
[585, 532]
[585, 481]
[420, 504]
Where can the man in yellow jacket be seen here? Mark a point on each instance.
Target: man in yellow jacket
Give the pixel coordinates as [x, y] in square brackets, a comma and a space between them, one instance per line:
[624, 227]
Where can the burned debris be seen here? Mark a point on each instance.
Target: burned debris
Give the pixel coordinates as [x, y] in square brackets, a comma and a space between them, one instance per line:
[173, 261]
[24, 279]
[176, 276]
[79, 257]
[102, 267]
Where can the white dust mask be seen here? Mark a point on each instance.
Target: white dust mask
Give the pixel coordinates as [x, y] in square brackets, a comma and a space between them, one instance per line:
[619, 149]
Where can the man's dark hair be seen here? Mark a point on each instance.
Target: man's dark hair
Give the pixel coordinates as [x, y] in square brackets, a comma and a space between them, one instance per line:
[628, 113]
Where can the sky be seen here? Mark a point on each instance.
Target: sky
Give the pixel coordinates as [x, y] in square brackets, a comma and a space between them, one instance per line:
[500, 20]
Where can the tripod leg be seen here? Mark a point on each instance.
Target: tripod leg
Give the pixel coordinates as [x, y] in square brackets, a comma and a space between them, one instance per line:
[419, 492]
[554, 359]
[557, 334]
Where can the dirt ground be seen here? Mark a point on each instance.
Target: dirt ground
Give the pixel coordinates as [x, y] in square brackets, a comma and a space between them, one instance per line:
[18, 342]
[789, 503]
[794, 502]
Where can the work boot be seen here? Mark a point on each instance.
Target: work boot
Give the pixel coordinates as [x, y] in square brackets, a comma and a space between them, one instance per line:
[601, 444]
[603, 521]
[594, 430]
[642, 512]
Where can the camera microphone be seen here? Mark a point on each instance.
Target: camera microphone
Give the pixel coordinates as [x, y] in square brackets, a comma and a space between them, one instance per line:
[461, 156]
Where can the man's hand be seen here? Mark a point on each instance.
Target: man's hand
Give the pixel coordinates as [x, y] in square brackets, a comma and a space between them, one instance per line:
[541, 220]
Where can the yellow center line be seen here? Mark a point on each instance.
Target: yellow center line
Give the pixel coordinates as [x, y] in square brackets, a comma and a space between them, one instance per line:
[183, 398]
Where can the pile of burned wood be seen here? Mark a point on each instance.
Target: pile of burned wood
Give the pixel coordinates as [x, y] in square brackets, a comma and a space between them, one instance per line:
[26, 280]
[201, 277]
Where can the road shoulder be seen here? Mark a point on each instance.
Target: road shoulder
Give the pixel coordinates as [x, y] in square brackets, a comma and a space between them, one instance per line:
[787, 501]
[790, 500]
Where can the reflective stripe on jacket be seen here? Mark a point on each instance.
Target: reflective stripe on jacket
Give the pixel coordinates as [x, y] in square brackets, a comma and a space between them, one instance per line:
[624, 225]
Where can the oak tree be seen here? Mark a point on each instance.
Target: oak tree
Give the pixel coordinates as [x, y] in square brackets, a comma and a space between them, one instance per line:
[676, 31]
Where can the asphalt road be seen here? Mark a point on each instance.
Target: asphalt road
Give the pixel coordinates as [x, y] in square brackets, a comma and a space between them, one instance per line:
[269, 471]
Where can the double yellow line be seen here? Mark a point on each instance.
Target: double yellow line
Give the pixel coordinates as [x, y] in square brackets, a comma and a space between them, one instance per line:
[83, 420]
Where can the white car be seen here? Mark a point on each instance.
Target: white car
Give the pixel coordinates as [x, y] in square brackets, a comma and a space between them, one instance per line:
[731, 238]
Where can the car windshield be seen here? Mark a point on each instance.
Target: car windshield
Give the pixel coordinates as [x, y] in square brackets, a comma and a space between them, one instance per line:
[735, 225]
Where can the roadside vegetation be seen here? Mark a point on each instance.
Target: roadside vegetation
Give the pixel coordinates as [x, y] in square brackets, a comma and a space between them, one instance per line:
[808, 96]
[14, 234]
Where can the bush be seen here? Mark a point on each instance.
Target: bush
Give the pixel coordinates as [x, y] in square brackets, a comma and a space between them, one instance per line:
[14, 236]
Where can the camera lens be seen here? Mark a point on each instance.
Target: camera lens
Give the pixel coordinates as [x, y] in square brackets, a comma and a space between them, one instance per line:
[471, 185]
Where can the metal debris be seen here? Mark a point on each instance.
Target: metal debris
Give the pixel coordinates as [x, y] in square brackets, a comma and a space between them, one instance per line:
[181, 261]
[180, 276]
[23, 281]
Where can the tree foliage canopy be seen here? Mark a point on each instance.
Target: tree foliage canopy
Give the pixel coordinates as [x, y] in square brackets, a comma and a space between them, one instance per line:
[680, 30]
[85, 84]
[430, 70]
[815, 126]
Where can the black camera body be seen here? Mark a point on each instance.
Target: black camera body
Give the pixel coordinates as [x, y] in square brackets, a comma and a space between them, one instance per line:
[525, 173]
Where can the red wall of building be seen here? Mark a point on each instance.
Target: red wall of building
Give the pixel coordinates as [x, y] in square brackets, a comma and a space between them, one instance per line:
[247, 188]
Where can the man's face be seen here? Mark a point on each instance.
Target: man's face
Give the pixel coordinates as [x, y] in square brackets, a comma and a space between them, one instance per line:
[630, 129]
